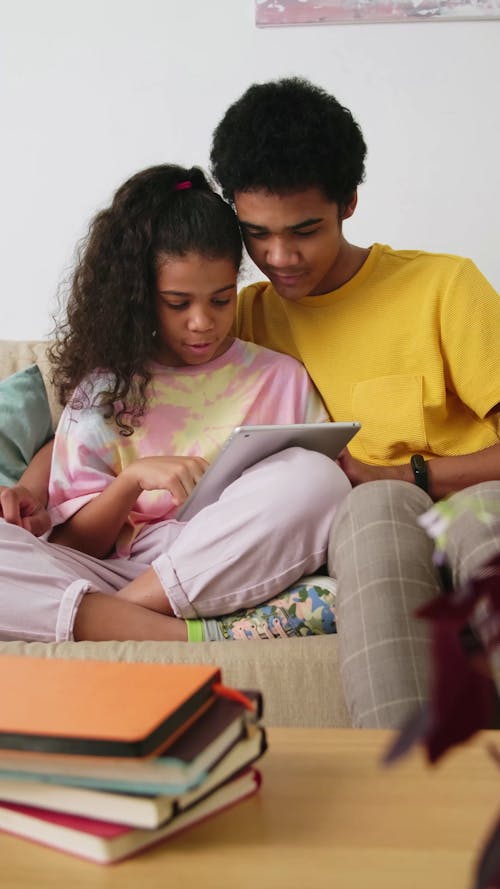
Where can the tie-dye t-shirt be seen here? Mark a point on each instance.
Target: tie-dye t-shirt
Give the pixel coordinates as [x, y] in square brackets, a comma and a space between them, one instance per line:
[191, 411]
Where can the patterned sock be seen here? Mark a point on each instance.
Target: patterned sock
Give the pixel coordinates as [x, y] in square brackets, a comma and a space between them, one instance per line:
[305, 609]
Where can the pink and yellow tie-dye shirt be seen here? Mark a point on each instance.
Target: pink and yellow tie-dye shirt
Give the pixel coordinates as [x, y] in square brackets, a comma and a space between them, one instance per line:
[191, 411]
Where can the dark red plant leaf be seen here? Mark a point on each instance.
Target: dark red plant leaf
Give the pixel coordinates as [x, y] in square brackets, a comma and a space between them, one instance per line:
[459, 604]
[461, 702]
[463, 694]
[413, 732]
[494, 753]
[462, 698]
[488, 870]
[448, 608]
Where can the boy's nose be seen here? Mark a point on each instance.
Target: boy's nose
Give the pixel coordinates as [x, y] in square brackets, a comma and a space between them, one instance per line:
[280, 254]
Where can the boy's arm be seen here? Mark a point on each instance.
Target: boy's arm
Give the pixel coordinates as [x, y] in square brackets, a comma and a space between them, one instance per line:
[449, 474]
[471, 353]
[445, 474]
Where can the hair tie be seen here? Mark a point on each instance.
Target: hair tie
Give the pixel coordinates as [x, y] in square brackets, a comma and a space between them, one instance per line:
[182, 185]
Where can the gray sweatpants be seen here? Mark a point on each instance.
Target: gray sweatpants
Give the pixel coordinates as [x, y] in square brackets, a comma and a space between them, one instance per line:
[382, 559]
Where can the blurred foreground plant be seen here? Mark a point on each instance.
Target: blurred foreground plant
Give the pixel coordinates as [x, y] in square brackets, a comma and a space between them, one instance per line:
[465, 648]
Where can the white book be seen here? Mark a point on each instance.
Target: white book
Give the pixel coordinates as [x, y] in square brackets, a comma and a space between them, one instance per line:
[105, 842]
[136, 810]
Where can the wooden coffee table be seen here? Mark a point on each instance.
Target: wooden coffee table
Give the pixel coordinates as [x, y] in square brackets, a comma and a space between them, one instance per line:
[327, 816]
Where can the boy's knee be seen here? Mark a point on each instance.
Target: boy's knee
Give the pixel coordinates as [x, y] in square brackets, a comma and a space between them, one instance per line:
[383, 500]
[379, 519]
[483, 493]
[472, 535]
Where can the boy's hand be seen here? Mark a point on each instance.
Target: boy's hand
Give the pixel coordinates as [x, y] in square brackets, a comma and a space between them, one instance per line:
[18, 506]
[178, 475]
[358, 472]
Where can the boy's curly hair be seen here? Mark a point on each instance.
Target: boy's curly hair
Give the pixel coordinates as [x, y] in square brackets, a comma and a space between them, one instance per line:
[288, 135]
[109, 318]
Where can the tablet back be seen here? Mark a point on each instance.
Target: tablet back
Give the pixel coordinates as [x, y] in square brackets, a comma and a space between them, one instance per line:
[248, 444]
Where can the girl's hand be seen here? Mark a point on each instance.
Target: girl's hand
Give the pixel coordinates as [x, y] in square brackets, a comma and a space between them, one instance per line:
[18, 506]
[178, 475]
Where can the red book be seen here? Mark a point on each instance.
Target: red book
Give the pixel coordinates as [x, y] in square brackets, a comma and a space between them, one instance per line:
[105, 842]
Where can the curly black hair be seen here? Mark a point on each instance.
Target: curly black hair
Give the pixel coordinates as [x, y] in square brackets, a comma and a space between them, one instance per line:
[109, 317]
[288, 135]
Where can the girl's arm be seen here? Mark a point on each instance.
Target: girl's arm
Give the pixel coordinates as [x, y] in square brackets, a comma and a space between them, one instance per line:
[88, 499]
[94, 529]
[24, 504]
[36, 476]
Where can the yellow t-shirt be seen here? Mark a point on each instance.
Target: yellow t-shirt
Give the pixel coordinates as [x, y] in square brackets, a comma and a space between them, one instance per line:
[409, 347]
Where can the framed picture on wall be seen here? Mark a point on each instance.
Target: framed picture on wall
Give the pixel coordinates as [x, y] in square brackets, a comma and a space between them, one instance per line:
[334, 12]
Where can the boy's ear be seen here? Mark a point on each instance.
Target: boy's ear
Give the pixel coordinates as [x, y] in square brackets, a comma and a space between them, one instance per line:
[348, 209]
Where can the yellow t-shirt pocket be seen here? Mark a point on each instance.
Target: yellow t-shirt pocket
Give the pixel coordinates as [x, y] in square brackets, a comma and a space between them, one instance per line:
[391, 413]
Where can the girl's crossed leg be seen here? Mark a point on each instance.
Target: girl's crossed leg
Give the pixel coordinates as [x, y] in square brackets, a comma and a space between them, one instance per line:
[269, 528]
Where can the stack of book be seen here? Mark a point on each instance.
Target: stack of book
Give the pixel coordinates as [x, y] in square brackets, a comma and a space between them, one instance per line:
[104, 759]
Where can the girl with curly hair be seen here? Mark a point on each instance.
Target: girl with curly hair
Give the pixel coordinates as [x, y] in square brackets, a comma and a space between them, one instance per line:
[153, 382]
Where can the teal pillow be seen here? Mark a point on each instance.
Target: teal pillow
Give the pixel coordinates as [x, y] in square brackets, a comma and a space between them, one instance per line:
[25, 421]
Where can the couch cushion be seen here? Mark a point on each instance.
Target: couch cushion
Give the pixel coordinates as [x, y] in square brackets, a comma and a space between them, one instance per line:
[25, 421]
[17, 354]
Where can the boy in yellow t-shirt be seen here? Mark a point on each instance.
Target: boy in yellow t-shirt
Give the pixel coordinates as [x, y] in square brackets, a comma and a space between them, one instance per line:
[404, 341]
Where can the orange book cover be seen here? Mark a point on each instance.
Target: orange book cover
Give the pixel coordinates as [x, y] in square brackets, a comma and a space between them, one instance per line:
[99, 707]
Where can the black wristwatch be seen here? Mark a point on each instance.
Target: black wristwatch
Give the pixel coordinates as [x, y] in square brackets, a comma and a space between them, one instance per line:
[419, 467]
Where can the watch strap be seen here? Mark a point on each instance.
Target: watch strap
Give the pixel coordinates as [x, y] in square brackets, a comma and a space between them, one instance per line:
[419, 467]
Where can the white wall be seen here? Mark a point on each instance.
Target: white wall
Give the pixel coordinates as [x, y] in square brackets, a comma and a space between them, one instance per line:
[92, 91]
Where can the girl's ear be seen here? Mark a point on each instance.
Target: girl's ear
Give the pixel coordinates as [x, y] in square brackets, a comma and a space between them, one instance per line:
[348, 209]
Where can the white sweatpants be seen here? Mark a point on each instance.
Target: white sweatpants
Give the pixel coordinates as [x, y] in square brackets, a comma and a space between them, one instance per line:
[270, 527]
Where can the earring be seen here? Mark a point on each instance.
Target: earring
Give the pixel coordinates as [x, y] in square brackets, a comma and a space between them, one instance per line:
[154, 333]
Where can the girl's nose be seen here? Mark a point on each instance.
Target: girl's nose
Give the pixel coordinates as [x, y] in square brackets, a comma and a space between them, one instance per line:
[200, 319]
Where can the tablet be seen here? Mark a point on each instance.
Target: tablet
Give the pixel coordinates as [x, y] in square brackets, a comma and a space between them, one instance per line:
[248, 444]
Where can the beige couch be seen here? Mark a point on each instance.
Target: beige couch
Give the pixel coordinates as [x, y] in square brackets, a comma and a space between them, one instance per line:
[299, 677]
